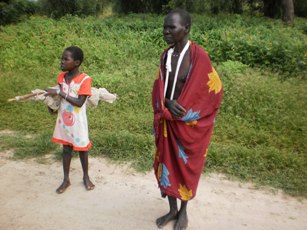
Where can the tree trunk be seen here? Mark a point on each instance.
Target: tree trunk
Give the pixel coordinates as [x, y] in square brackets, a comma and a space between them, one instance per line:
[237, 7]
[287, 11]
[271, 8]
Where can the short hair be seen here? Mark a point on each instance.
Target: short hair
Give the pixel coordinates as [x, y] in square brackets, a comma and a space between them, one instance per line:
[183, 14]
[76, 52]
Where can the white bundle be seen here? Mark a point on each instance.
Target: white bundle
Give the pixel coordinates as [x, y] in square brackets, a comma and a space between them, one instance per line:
[53, 102]
[100, 94]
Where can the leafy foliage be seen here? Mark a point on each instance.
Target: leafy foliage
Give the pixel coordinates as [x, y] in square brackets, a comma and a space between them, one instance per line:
[139, 6]
[60, 8]
[253, 41]
[270, 8]
[13, 11]
[300, 8]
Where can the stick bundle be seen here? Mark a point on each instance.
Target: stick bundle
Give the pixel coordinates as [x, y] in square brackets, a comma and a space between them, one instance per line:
[24, 97]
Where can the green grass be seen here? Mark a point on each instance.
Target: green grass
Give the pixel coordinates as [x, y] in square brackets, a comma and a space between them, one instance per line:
[27, 145]
[260, 132]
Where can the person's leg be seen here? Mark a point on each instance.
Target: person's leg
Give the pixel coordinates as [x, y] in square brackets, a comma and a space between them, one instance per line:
[67, 150]
[182, 221]
[163, 220]
[84, 162]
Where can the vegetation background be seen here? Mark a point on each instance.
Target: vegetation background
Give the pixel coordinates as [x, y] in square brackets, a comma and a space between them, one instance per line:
[260, 132]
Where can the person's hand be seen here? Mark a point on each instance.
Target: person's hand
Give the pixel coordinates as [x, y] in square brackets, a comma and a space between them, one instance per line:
[52, 92]
[175, 109]
[51, 111]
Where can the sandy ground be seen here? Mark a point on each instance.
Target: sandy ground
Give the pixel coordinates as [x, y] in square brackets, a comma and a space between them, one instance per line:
[124, 199]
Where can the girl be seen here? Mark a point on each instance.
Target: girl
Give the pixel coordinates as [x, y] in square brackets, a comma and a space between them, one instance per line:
[71, 127]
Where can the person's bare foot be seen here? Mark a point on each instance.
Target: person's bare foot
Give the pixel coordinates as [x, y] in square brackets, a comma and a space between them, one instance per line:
[182, 221]
[63, 186]
[88, 184]
[163, 220]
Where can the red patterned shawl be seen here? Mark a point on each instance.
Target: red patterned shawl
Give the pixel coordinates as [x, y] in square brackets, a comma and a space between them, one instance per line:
[182, 144]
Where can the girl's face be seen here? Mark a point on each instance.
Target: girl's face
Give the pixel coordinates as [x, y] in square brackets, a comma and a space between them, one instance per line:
[67, 62]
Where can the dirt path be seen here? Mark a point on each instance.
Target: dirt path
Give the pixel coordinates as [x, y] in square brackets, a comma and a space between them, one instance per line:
[124, 199]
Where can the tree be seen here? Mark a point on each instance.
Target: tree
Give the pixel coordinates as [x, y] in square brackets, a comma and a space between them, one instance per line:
[237, 6]
[287, 11]
[13, 11]
[300, 8]
[140, 6]
[271, 8]
[277, 8]
[60, 8]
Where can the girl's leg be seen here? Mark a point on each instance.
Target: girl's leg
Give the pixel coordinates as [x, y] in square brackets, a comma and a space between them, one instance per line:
[67, 150]
[182, 221]
[84, 162]
[163, 220]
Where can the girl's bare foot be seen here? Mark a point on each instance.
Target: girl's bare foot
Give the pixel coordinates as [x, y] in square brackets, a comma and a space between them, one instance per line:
[88, 184]
[63, 186]
[163, 220]
[182, 221]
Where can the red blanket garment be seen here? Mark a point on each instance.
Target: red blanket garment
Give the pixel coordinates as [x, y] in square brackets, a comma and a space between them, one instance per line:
[182, 144]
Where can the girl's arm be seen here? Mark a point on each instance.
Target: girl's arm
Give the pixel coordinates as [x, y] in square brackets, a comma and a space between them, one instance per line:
[74, 101]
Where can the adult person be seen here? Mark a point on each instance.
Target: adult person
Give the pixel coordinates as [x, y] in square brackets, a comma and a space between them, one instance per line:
[186, 97]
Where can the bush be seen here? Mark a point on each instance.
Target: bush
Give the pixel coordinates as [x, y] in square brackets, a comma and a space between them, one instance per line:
[139, 6]
[13, 11]
[60, 8]
[253, 41]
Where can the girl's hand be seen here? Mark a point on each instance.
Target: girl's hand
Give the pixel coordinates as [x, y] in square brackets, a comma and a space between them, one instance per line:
[52, 92]
[51, 111]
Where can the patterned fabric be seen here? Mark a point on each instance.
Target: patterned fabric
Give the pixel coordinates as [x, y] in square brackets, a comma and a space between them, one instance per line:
[182, 144]
[71, 125]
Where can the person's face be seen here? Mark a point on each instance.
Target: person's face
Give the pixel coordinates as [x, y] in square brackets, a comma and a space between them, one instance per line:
[67, 62]
[174, 30]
